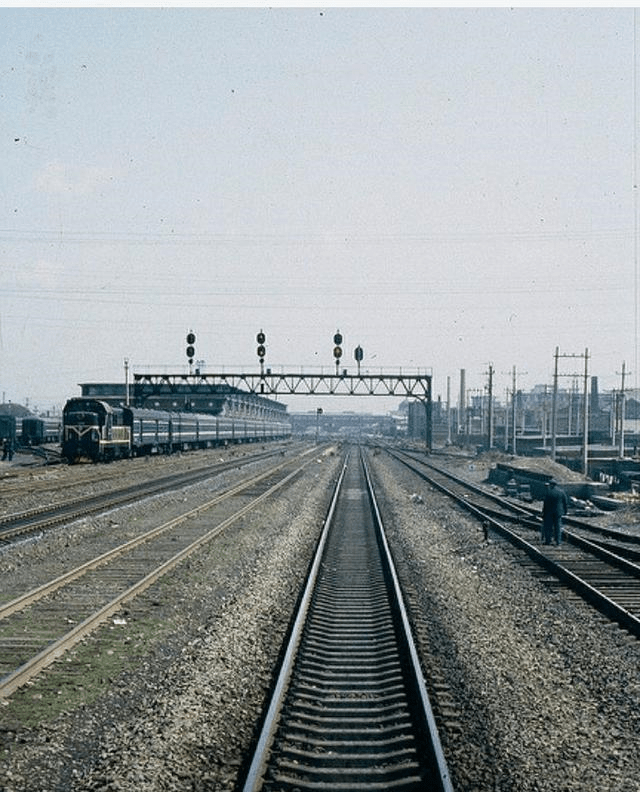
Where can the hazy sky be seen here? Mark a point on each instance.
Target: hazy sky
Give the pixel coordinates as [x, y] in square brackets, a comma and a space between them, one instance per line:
[448, 187]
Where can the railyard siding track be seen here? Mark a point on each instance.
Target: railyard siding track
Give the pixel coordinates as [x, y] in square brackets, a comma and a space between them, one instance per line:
[528, 514]
[350, 711]
[36, 629]
[36, 520]
[607, 581]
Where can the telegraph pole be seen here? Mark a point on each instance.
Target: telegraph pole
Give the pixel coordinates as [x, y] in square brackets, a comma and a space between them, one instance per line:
[514, 423]
[585, 428]
[448, 411]
[585, 444]
[490, 408]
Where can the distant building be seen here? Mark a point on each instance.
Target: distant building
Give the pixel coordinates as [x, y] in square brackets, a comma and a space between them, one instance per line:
[343, 425]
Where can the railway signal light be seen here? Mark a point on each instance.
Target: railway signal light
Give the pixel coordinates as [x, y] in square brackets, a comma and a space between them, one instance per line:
[337, 349]
[191, 350]
[358, 355]
[262, 350]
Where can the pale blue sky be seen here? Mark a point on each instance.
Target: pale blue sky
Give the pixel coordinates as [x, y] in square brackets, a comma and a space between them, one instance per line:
[448, 187]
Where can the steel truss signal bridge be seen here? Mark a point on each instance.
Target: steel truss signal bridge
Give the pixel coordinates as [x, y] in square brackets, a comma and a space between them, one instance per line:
[266, 384]
[417, 386]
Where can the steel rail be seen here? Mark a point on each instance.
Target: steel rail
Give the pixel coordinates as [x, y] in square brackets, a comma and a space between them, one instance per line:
[52, 652]
[349, 709]
[258, 763]
[531, 518]
[45, 589]
[560, 567]
[530, 511]
[407, 633]
[48, 516]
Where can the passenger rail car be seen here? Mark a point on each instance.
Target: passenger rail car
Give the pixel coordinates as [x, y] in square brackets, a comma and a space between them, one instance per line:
[8, 428]
[94, 429]
[38, 431]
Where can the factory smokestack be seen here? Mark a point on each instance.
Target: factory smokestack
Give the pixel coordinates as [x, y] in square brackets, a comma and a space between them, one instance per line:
[595, 403]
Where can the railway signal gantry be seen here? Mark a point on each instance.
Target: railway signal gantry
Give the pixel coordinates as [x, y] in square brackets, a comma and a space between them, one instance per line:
[269, 383]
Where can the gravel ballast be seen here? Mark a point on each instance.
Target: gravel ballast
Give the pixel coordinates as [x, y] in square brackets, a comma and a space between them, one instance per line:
[546, 691]
[533, 691]
[181, 711]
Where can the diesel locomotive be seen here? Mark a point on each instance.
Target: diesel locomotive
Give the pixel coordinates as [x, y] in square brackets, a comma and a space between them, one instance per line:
[96, 430]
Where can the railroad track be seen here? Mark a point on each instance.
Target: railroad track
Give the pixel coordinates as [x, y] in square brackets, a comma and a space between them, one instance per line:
[33, 521]
[610, 538]
[349, 709]
[601, 573]
[37, 627]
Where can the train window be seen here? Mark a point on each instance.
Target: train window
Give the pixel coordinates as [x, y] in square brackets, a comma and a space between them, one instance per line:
[83, 418]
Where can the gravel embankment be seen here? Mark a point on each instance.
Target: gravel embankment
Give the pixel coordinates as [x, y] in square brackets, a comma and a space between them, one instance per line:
[42, 558]
[546, 692]
[533, 691]
[179, 710]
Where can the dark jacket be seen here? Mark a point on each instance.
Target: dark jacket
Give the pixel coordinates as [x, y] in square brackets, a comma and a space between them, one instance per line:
[556, 504]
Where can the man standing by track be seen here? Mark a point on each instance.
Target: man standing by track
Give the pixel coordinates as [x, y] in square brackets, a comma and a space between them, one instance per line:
[554, 507]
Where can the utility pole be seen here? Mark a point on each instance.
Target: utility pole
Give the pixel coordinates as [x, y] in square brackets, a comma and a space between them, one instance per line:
[462, 407]
[506, 419]
[585, 416]
[514, 393]
[585, 445]
[554, 407]
[126, 382]
[448, 411]
[490, 408]
[514, 422]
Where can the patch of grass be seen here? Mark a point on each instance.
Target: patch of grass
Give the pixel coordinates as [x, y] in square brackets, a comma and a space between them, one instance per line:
[87, 672]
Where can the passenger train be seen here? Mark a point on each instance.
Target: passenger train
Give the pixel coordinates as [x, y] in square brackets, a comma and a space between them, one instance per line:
[95, 430]
[39, 431]
[30, 430]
